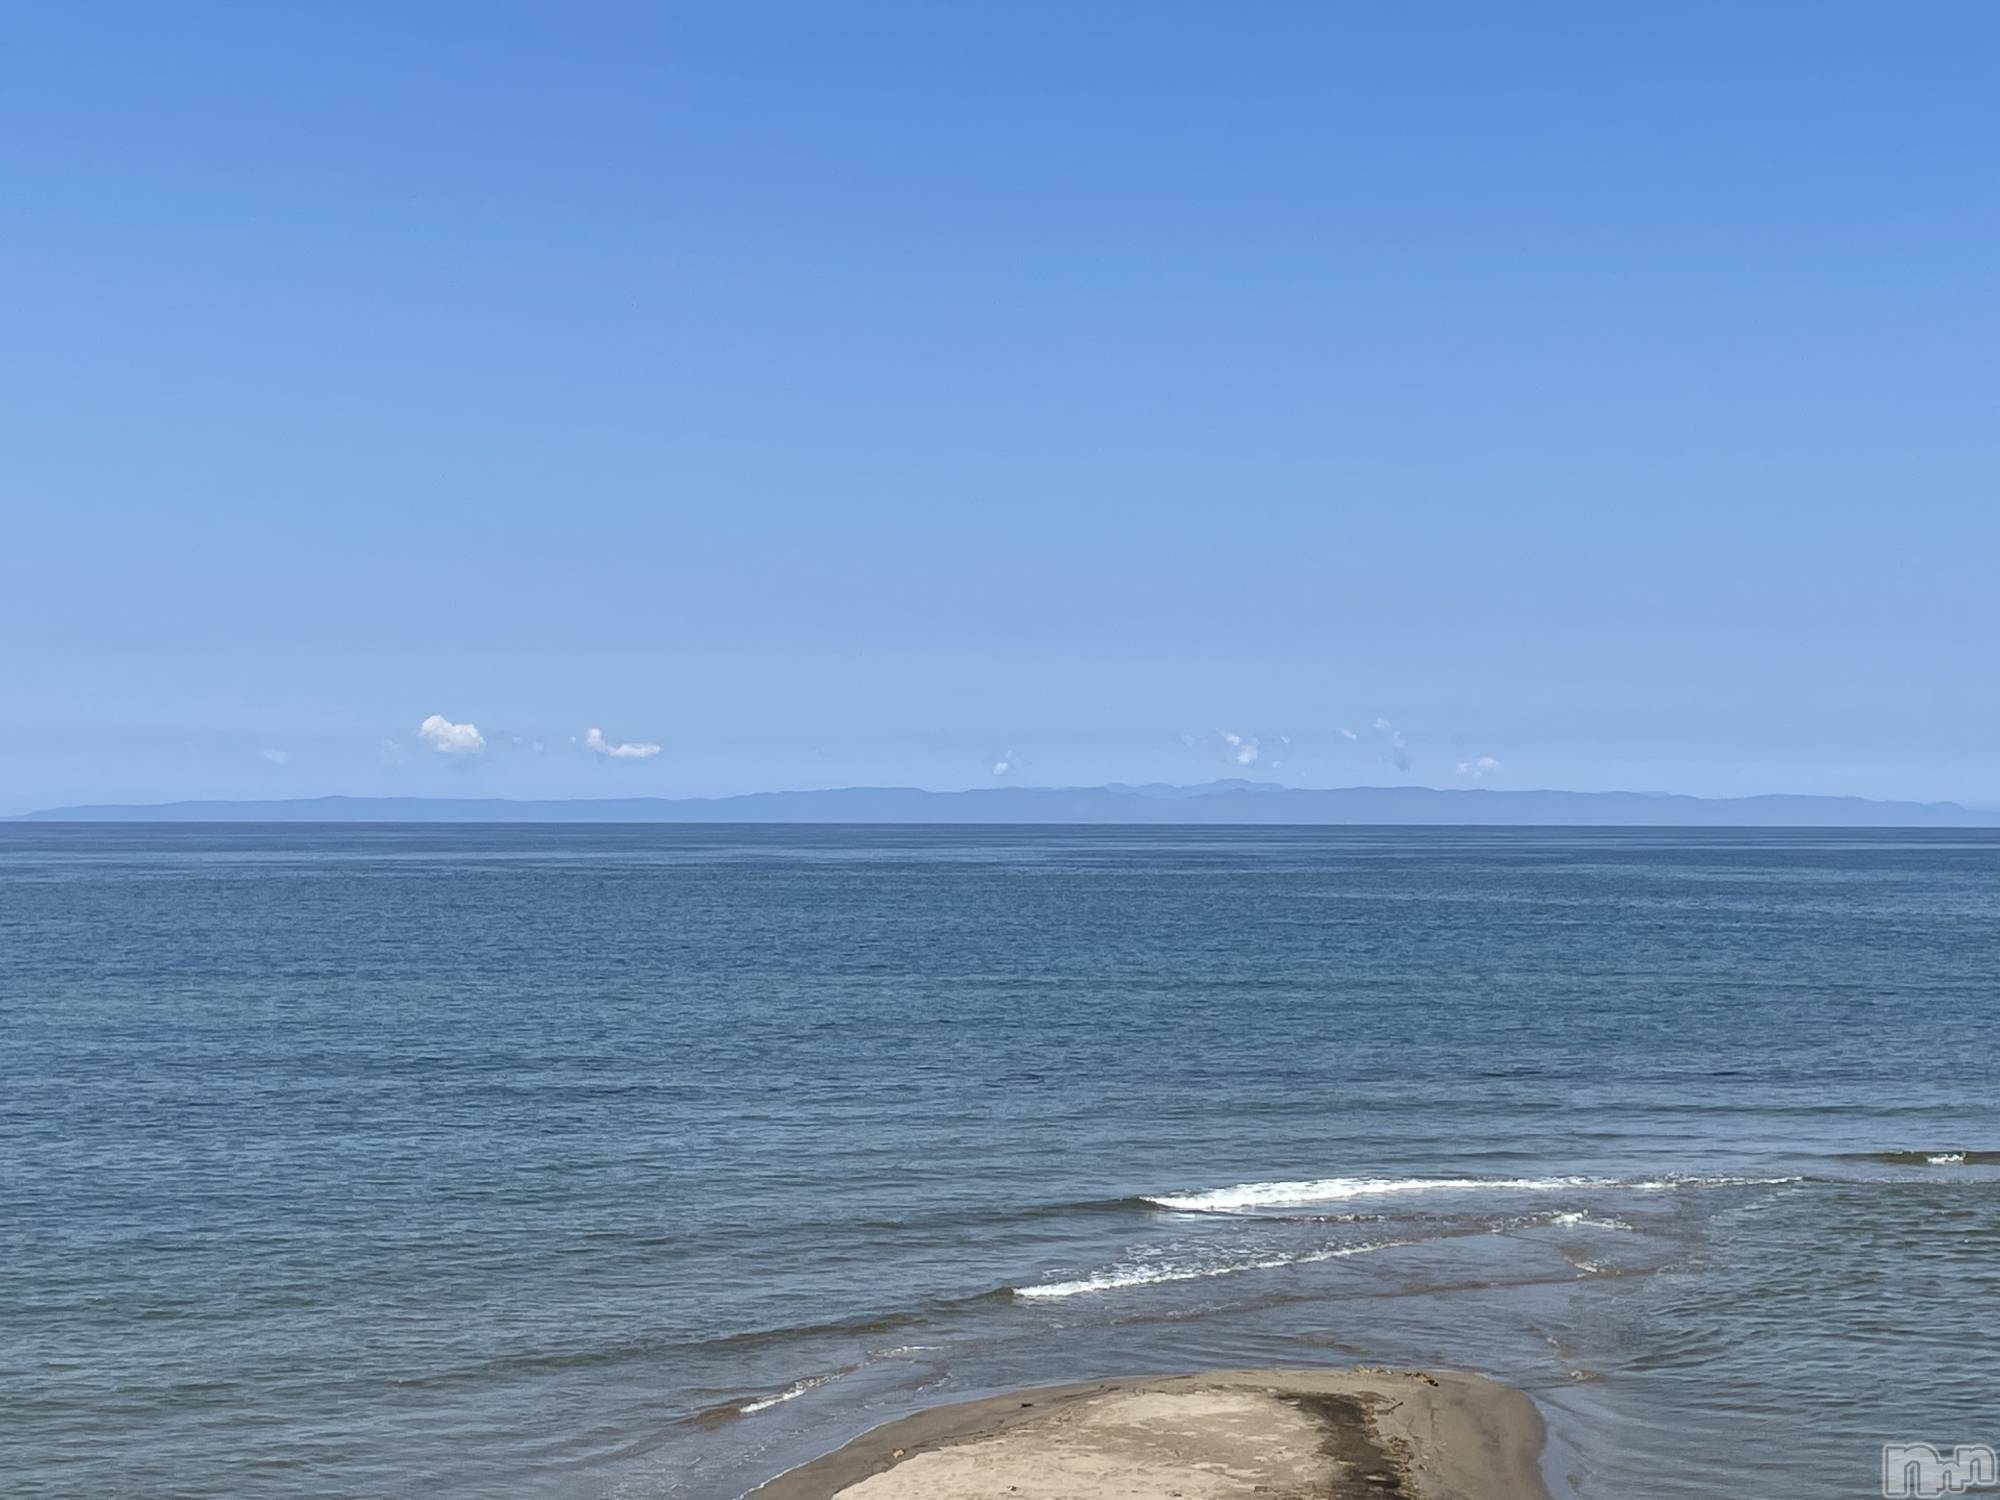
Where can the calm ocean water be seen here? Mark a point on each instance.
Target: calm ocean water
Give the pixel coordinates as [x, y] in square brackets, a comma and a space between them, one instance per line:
[648, 1161]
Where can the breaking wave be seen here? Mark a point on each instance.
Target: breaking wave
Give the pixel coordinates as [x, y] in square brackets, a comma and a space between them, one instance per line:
[1254, 1195]
[1248, 1197]
[1684, 1180]
[1119, 1277]
[1582, 1220]
[790, 1393]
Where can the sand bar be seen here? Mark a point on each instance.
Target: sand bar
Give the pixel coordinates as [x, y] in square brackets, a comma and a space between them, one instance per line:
[1277, 1434]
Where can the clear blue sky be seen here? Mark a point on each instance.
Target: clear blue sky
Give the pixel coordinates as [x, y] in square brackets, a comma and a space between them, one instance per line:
[876, 393]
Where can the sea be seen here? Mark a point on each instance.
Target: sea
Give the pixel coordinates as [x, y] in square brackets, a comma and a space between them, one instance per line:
[653, 1160]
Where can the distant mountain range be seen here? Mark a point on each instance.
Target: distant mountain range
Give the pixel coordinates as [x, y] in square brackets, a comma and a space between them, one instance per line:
[1215, 802]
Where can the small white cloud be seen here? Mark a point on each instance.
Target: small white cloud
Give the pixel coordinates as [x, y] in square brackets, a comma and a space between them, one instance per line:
[1478, 768]
[1002, 767]
[276, 757]
[1349, 734]
[1399, 748]
[1242, 747]
[448, 738]
[593, 739]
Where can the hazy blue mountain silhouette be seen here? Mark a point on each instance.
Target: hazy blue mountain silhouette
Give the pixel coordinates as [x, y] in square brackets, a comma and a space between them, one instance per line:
[1218, 802]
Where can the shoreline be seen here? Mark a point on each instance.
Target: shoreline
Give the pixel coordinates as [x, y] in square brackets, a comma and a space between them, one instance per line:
[1289, 1434]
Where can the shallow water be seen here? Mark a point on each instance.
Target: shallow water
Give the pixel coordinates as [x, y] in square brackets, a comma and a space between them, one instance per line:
[647, 1161]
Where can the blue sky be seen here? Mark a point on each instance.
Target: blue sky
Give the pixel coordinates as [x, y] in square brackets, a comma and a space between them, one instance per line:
[880, 393]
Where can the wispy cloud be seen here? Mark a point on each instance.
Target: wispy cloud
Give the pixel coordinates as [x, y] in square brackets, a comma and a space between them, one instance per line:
[594, 740]
[448, 738]
[1399, 748]
[1243, 748]
[276, 757]
[1482, 766]
[1348, 734]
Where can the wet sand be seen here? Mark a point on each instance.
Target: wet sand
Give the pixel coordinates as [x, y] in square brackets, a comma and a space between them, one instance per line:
[1279, 1434]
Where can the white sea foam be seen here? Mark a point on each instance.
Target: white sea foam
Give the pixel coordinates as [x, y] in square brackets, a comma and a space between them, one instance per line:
[1118, 1277]
[1946, 1159]
[1255, 1195]
[1248, 1197]
[789, 1393]
[1588, 1221]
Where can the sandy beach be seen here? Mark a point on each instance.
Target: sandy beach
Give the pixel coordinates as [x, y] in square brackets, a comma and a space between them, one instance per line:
[1283, 1434]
